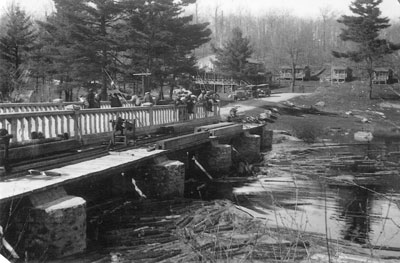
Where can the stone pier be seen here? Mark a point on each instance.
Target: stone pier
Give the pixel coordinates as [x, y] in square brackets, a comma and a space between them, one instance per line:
[248, 145]
[265, 134]
[55, 224]
[167, 178]
[219, 157]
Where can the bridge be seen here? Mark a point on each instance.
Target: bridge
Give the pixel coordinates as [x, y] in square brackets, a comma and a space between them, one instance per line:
[53, 119]
[50, 204]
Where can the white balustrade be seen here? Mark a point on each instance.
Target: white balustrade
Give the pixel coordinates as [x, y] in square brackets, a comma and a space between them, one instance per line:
[21, 122]
[49, 106]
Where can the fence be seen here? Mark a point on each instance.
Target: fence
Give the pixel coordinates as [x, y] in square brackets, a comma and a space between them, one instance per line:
[49, 106]
[79, 123]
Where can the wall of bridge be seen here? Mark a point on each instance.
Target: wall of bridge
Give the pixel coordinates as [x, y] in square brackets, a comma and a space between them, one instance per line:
[50, 106]
[46, 118]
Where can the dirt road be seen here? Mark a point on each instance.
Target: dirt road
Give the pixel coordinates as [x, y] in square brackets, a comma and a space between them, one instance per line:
[254, 104]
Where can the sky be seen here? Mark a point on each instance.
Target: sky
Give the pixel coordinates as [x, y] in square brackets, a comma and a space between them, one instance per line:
[302, 8]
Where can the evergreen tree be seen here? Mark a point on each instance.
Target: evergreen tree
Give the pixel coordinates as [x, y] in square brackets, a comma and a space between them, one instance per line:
[85, 35]
[232, 57]
[162, 39]
[15, 47]
[363, 29]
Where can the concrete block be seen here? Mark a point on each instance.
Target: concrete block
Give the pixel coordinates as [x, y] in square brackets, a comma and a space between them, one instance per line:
[57, 228]
[220, 158]
[265, 134]
[47, 196]
[168, 179]
[248, 145]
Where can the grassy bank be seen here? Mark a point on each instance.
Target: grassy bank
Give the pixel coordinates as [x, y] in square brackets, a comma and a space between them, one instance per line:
[350, 106]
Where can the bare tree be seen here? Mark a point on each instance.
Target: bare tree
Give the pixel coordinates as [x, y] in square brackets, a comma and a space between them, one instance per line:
[294, 45]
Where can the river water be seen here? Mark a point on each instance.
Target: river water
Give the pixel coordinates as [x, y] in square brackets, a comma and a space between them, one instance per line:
[364, 212]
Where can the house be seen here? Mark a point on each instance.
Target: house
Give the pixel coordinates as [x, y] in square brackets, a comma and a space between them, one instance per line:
[206, 63]
[301, 73]
[382, 76]
[217, 82]
[209, 78]
[341, 74]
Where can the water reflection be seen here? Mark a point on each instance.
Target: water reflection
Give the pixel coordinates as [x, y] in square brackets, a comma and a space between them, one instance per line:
[356, 204]
[362, 214]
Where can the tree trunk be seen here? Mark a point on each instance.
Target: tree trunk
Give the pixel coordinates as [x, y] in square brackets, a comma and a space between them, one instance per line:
[103, 94]
[292, 84]
[161, 93]
[370, 74]
[370, 86]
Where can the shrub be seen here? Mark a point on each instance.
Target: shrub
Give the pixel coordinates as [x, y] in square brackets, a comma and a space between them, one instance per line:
[307, 131]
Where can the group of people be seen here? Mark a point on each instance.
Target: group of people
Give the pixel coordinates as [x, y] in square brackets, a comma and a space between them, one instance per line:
[92, 100]
[147, 100]
[207, 98]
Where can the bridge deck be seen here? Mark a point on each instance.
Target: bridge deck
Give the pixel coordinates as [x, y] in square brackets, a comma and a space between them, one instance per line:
[25, 185]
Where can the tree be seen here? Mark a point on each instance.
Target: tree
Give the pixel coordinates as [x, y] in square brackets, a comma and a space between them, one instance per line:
[15, 47]
[86, 40]
[162, 39]
[363, 29]
[232, 57]
[294, 48]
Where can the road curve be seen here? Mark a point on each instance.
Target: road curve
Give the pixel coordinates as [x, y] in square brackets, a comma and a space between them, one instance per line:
[253, 104]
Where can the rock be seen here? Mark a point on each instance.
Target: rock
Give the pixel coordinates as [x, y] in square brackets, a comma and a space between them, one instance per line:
[349, 113]
[265, 115]
[365, 120]
[362, 136]
[320, 104]
[288, 103]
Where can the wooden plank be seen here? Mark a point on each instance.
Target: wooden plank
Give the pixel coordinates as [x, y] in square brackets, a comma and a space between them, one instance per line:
[227, 131]
[213, 126]
[181, 142]
[32, 151]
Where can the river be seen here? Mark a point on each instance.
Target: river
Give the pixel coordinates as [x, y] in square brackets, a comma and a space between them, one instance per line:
[300, 192]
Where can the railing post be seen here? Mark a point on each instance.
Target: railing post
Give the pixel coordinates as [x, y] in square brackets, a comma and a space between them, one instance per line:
[174, 112]
[14, 129]
[77, 126]
[151, 121]
[194, 111]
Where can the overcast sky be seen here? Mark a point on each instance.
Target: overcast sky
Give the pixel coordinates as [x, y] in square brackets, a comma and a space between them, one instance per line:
[303, 8]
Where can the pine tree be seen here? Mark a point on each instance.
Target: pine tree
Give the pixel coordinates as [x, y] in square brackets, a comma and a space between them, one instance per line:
[162, 39]
[84, 34]
[363, 29]
[232, 58]
[15, 47]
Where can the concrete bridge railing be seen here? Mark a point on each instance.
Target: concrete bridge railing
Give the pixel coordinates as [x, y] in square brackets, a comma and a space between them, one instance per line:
[49, 106]
[86, 122]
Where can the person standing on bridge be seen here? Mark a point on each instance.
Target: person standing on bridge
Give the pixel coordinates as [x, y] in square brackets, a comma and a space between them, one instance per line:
[91, 99]
[148, 98]
[114, 100]
[97, 99]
